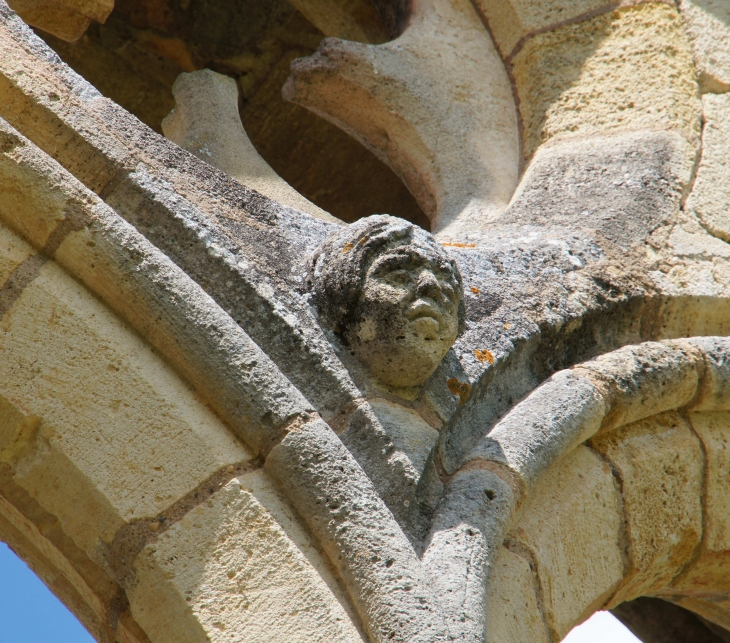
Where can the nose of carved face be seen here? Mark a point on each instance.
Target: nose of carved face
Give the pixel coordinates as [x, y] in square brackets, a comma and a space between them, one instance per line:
[407, 325]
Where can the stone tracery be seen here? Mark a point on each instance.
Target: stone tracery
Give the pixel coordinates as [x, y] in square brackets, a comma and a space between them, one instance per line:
[531, 286]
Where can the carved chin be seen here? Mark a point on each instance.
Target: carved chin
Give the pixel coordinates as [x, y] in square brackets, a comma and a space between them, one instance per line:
[404, 362]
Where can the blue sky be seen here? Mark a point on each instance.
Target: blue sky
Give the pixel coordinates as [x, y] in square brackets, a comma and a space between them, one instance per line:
[29, 613]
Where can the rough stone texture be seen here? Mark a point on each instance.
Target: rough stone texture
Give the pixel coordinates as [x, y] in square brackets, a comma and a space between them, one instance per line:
[598, 76]
[135, 57]
[710, 198]
[512, 22]
[139, 416]
[711, 566]
[430, 89]
[239, 567]
[512, 608]
[708, 26]
[384, 577]
[579, 569]
[54, 17]
[659, 462]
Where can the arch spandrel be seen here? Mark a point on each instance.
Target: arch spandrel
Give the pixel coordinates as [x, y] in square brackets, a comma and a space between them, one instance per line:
[599, 248]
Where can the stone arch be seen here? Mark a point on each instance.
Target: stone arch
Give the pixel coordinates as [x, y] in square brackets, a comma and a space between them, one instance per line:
[624, 487]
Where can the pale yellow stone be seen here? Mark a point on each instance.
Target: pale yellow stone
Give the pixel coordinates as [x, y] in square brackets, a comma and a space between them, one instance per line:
[512, 20]
[710, 570]
[708, 25]
[630, 69]
[512, 611]
[710, 198]
[122, 436]
[715, 609]
[659, 461]
[52, 16]
[239, 568]
[13, 251]
[572, 527]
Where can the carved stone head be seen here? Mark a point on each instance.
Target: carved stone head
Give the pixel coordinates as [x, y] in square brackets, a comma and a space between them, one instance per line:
[393, 295]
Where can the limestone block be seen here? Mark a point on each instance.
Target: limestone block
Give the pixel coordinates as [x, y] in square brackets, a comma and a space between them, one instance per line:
[205, 121]
[710, 197]
[645, 380]
[709, 572]
[571, 526]
[122, 437]
[512, 611]
[715, 609]
[52, 16]
[714, 395]
[239, 567]
[708, 26]
[417, 101]
[623, 185]
[13, 251]
[512, 20]
[630, 69]
[558, 416]
[660, 464]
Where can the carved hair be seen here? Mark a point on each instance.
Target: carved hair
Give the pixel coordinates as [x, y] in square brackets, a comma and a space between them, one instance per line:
[336, 271]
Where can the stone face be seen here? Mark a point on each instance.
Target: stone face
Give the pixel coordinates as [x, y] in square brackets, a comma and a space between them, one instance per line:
[660, 464]
[708, 26]
[239, 567]
[710, 198]
[571, 526]
[605, 74]
[392, 294]
[512, 610]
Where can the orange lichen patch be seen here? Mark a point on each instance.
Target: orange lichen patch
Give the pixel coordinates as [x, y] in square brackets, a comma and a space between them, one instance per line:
[458, 388]
[347, 247]
[455, 244]
[484, 356]
[476, 291]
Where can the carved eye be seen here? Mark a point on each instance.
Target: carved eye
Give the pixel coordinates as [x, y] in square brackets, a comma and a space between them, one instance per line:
[397, 277]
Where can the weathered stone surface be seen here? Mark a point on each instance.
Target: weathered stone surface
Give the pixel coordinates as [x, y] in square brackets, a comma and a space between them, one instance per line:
[512, 22]
[443, 75]
[708, 26]
[623, 186]
[55, 17]
[642, 381]
[467, 531]
[512, 610]
[571, 527]
[660, 464]
[558, 416]
[205, 121]
[135, 428]
[385, 579]
[598, 76]
[709, 571]
[239, 567]
[714, 395]
[710, 198]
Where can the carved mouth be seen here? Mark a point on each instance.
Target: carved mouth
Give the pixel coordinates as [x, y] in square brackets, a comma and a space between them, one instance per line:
[424, 308]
